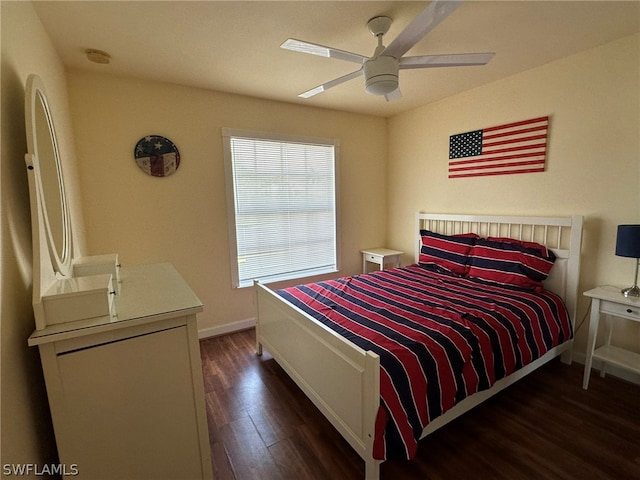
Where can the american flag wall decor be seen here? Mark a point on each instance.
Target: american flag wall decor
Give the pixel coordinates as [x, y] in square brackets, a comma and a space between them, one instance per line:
[518, 147]
[157, 156]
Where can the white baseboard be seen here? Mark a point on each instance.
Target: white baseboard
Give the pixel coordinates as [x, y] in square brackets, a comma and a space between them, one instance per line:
[610, 370]
[227, 328]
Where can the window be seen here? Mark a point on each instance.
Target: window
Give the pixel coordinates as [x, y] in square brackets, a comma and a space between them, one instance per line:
[281, 197]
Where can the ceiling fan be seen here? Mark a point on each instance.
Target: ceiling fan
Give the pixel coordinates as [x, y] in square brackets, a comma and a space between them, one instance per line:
[381, 69]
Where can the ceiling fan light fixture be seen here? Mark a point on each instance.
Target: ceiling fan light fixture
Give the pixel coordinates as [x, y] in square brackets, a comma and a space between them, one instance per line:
[381, 75]
[381, 85]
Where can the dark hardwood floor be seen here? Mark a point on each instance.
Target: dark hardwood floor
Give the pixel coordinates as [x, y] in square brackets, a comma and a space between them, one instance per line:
[546, 426]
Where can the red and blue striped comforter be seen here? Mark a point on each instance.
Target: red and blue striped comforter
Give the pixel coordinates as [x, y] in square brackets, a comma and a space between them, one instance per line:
[440, 339]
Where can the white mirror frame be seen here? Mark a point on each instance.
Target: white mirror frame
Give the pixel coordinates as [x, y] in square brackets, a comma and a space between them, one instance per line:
[50, 199]
[52, 245]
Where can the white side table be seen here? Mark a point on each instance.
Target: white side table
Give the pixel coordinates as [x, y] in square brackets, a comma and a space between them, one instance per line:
[380, 256]
[608, 301]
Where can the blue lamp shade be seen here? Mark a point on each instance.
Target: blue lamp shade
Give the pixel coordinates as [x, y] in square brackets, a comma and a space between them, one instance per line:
[628, 241]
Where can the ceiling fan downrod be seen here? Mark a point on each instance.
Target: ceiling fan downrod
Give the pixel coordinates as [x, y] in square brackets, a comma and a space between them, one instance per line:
[381, 71]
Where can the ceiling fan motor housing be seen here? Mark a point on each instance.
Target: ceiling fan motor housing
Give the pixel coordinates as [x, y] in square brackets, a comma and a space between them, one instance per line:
[381, 75]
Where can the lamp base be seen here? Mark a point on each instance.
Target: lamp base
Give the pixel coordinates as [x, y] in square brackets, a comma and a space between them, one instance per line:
[631, 291]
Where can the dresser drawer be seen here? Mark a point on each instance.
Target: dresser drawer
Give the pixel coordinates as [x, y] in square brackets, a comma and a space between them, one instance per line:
[78, 298]
[628, 311]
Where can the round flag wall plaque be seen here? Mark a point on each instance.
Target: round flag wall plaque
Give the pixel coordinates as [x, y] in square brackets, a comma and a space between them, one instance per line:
[157, 156]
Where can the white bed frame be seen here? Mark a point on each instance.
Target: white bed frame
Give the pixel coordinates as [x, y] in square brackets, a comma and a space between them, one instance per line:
[342, 380]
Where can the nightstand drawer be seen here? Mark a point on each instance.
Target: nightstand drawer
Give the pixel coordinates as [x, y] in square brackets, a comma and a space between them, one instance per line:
[373, 258]
[627, 311]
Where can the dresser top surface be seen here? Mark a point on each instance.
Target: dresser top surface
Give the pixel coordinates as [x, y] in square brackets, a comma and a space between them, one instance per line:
[145, 292]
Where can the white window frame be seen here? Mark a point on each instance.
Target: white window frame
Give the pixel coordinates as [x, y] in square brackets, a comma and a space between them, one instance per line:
[227, 135]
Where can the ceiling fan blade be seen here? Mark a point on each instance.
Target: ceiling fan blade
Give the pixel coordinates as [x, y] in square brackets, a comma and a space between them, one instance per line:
[322, 51]
[330, 84]
[393, 96]
[426, 21]
[453, 60]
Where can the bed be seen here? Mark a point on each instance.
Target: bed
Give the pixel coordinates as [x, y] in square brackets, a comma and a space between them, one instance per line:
[346, 379]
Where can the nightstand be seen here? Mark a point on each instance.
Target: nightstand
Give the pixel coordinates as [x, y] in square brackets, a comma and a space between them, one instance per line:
[608, 301]
[380, 256]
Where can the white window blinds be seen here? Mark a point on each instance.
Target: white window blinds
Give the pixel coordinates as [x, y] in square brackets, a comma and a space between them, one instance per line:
[283, 191]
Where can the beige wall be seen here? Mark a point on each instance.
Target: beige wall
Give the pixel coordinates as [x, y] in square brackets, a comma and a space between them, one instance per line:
[182, 218]
[593, 161]
[27, 435]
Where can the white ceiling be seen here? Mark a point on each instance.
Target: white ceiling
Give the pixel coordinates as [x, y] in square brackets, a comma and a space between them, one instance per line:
[234, 46]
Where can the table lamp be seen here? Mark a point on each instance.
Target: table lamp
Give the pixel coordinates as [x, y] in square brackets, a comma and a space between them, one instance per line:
[628, 245]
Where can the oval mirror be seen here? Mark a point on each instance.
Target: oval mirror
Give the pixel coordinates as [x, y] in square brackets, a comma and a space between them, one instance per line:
[45, 161]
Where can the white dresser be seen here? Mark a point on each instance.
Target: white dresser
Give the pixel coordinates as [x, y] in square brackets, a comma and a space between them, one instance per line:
[126, 390]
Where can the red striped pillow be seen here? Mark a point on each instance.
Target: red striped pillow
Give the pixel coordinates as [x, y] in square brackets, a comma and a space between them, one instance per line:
[543, 250]
[509, 261]
[450, 252]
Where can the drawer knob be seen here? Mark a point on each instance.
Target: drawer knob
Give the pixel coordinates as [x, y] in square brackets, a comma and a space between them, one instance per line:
[629, 310]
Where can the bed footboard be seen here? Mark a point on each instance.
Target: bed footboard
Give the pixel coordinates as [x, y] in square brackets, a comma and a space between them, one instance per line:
[344, 385]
